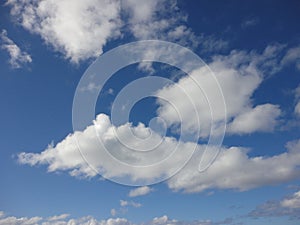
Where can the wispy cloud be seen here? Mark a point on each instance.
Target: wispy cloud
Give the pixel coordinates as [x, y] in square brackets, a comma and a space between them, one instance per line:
[288, 206]
[18, 58]
[249, 22]
[124, 203]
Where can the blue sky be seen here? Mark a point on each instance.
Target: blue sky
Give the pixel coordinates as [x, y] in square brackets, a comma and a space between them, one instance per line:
[252, 49]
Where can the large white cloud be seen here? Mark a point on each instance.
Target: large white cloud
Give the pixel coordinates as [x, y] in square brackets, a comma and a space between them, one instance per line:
[18, 58]
[239, 75]
[233, 169]
[164, 159]
[78, 29]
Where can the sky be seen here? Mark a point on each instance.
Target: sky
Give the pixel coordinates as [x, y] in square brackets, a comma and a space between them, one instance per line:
[119, 112]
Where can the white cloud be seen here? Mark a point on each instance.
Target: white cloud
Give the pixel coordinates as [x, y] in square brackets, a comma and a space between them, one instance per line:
[113, 212]
[164, 20]
[297, 98]
[78, 29]
[59, 217]
[288, 206]
[239, 75]
[140, 191]
[292, 56]
[138, 165]
[4, 220]
[234, 169]
[261, 118]
[124, 203]
[250, 22]
[293, 202]
[297, 109]
[18, 58]
[89, 220]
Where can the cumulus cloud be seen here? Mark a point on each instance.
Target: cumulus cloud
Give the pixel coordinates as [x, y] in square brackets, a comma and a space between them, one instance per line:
[137, 165]
[233, 169]
[4, 220]
[18, 58]
[288, 206]
[140, 191]
[89, 220]
[261, 118]
[239, 74]
[78, 29]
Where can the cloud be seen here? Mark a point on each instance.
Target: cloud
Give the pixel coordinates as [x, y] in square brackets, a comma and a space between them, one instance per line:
[139, 166]
[59, 217]
[89, 220]
[140, 191]
[250, 22]
[113, 212]
[4, 220]
[239, 74]
[288, 206]
[18, 58]
[78, 29]
[124, 203]
[292, 56]
[297, 98]
[297, 109]
[261, 118]
[234, 169]
[158, 20]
